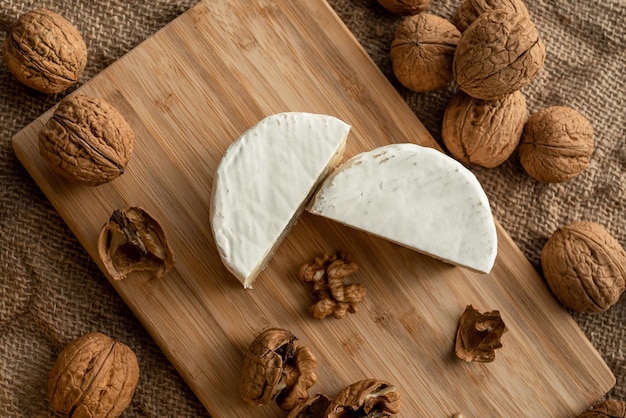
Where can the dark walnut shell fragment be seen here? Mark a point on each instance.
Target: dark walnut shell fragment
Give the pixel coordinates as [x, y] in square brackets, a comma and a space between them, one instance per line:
[45, 51]
[404, 7]
[469, 10]
[499, 53]
[366, 398]
[478, 335]
[483, 132]
[93, 376]
[132, 240]
[277, 368]
[611, 408]
[87, 140]
[422, 52]
[314, 407]
[556, 145]
[584, 266]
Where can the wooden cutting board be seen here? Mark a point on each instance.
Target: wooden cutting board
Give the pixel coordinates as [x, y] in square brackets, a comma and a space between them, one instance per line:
[188, 92]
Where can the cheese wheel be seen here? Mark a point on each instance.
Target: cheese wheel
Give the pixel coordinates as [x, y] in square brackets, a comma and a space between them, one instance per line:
[263, 182]
[414, 196]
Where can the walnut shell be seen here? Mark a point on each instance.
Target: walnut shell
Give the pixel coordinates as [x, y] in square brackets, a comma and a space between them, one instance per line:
[422, 52]
[367, 397]
[483, 132]
[499, 53]
[584, 266]
[93, 376]
[276, 367]
[314, 407]
[556, 145]
[469, 10]
[133, 240]
[45, 51]
[404, 7]
[611, 408]
[87, 140]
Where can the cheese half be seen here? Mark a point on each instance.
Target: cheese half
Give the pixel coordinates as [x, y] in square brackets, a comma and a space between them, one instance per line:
[263, 182]
[417, 197]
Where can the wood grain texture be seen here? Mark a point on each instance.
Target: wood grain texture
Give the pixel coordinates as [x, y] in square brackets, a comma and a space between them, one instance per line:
[188, 92]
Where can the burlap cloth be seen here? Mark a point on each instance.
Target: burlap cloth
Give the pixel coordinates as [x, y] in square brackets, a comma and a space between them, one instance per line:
[51, 291]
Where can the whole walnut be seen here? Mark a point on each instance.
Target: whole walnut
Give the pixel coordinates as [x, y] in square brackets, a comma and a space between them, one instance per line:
[93, 376]
[45, 51]
[422, 52]
[499, 53]
[584, 266]
[483, 132]
[469, 10]
[87, 140]
[404, 7]
[556, 145]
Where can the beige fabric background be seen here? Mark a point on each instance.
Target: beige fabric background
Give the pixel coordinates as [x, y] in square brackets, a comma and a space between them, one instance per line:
[51, 292]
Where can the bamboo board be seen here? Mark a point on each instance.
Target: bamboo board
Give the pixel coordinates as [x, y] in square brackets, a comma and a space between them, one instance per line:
[188, 92]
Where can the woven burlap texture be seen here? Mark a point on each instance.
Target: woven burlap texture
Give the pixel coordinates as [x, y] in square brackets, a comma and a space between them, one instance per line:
[51, 291]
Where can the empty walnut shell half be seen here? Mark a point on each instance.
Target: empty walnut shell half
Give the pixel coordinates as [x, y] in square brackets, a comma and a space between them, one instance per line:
[483, 132]
[87, 140]
[422, 52]
[277, 368]
[478, 335]
[93, 376]
[404, 7]
[314, 407]
[584, 266]
[499, 53]
[45, 51]
[366, 398]
[556, 145]
[469, 10]
[610, 408]
[132, 240]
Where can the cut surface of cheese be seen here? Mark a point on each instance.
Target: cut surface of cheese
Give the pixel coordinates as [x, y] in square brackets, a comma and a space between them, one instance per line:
[414, 196]
[264, 180]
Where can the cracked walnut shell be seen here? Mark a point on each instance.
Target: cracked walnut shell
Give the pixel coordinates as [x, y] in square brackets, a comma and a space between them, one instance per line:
[422, 52]
[469, 10]
[133, 240]
[404, 7]
[584, 266]
[86, 140]
[556, 145]
[276, 367]
[483, 132]
[366, 398]
[93, 376]
[499, 53]
[45, 51]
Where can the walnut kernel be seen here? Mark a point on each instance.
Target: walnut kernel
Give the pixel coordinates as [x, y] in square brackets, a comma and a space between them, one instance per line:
[87, 140]
[422, 52]
[469, 10]
[478, 335]
[584, 266]
[45, 51]
[93, 376]
[404, 7]
[483, 132]
[610, 408]
[499, 53]
[133, 240]
[366, 398]
[556, 145]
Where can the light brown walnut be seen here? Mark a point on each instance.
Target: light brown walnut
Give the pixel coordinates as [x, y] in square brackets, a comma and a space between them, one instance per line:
[422, 52]
[45, 51]
[556, 145]
[314, 407]
[483, 132]
[610, 408]
[87, 140]
[469, 10]
[584, 266]
[93, 376]
[499, 53]
[366, 398]
[478, 335]
[405, 7]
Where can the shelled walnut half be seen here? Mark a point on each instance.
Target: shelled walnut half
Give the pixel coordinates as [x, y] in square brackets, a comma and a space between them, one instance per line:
[366, 398]
[93, 376]
[277, 368]
[133, 240]
[478, 335]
